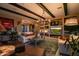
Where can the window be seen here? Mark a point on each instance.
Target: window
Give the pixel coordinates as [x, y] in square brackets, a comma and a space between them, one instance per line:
[24, 28]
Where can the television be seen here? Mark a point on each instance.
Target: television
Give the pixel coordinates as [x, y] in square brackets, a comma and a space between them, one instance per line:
[55, 30]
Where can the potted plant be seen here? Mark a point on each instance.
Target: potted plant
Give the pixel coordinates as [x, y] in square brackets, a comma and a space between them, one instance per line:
[73, 44]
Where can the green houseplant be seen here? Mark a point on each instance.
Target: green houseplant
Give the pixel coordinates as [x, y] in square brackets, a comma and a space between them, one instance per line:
[74, 45]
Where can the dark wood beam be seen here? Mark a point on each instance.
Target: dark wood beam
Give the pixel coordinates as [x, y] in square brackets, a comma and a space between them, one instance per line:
[65, 9]
[25, 9]
[6, 18]
[44, 8]
[17, 13]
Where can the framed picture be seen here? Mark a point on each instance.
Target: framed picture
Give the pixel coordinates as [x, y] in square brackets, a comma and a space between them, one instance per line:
[7, 23]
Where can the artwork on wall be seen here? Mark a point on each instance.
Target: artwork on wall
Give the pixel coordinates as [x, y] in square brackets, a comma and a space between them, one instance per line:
[7, 23]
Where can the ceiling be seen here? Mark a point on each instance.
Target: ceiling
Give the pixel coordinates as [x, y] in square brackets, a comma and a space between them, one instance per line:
[38, 11]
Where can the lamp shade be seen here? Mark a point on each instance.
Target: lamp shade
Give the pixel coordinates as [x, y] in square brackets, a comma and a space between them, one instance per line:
[71, 22]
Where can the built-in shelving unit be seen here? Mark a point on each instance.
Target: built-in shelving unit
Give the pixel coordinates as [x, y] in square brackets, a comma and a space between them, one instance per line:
[44, 25]
[52, 27]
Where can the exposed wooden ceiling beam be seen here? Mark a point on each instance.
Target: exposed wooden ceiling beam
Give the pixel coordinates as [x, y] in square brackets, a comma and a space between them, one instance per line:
[25, 9]
[5, 18]
[1, 8]
[44, 8]
[65, 9]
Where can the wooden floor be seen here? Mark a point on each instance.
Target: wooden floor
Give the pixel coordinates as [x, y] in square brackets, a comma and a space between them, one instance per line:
[31, 51]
